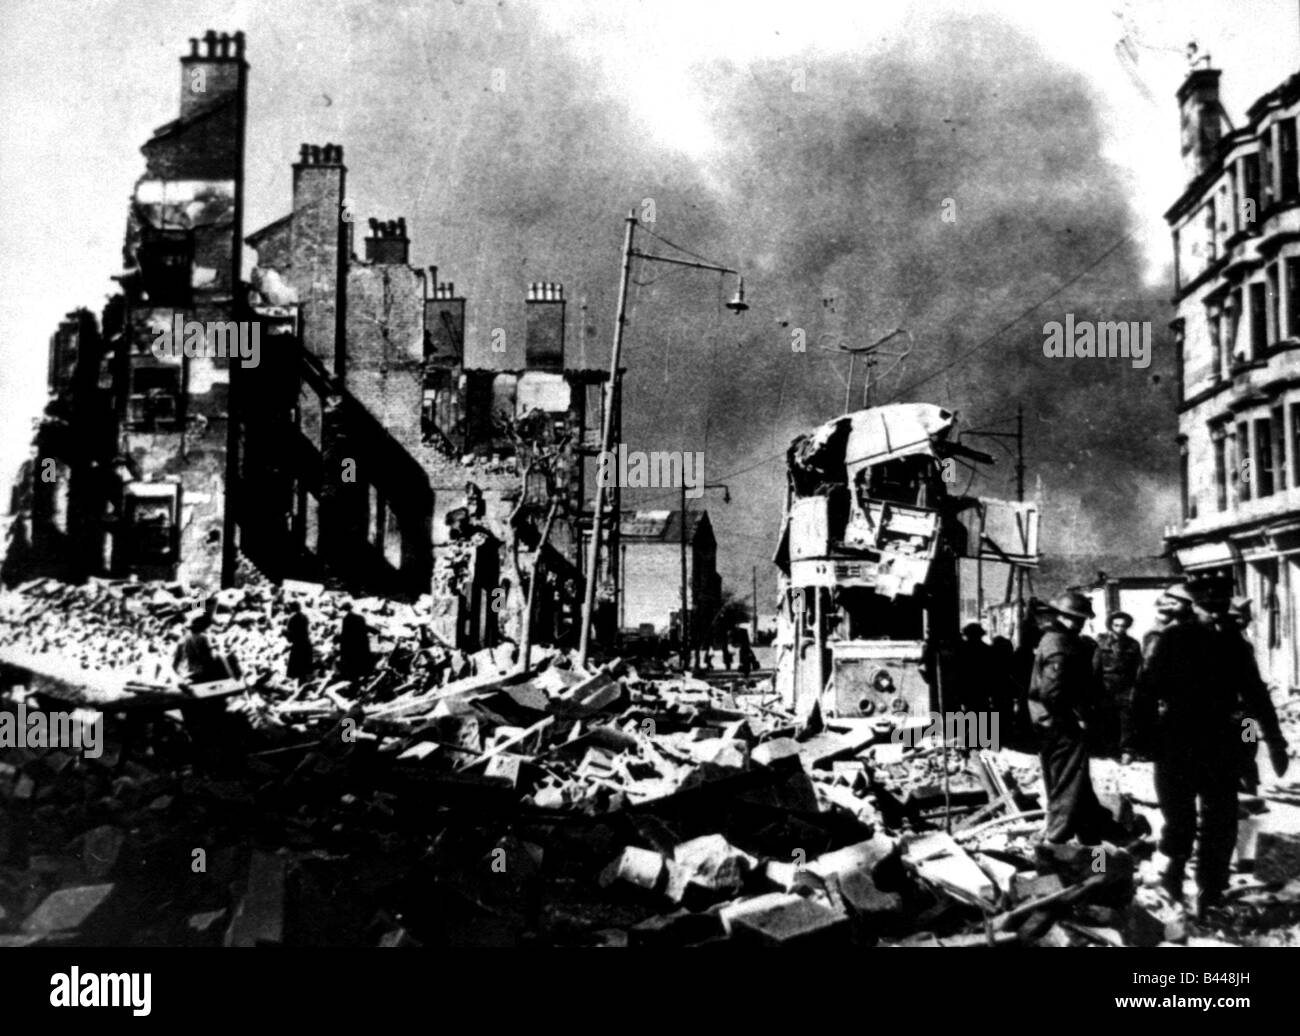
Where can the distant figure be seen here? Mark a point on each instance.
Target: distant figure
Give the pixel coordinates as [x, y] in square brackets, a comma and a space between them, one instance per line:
[973, 664]
[726, 653]
[1116, 665]
[298, 633]
[1262, 715]
[746, 662]
[1001, 689]
[355, 660]
[1037, 619]
[194, 660]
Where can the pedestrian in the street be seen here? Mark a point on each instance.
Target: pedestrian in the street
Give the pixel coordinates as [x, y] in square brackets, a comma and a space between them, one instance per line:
[194, 660]
[354, 658]
[1002, 691]
[973, 664]
[1197, 683]
[1259, 718]
[1116, 663]
[298, 632]
[1173, 608]
[1060, 691]
[1037, 620]
[745, 659]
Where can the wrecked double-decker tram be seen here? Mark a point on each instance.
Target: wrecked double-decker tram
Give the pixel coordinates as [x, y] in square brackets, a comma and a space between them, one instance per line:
[883, 563]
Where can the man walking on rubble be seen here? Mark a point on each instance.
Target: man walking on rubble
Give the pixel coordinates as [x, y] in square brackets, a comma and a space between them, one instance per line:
[354, 658]
[1174, 608]
[194, 660]
[1116, 664]
[1199, 694]
[1264, 718]
[1060, 691]
[298, 633]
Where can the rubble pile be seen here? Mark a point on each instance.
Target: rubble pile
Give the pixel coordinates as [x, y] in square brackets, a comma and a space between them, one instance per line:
[129, 629]
[453, 799]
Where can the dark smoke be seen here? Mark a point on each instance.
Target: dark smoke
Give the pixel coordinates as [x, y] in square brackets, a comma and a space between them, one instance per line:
[831, 201]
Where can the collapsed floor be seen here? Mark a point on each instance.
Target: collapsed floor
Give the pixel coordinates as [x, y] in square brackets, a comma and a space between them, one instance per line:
[460, 800]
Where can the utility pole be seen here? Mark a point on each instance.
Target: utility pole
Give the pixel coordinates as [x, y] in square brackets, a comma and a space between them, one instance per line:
[753, 610]
[1020, 453]
[1019, 436]
[686, 618]
[613, 397]
[607, 425]
[1020, 498]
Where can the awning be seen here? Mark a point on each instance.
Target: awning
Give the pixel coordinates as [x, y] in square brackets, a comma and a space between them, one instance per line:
[1206, 555]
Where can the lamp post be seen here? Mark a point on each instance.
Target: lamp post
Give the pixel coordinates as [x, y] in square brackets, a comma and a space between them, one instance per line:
[736, 305]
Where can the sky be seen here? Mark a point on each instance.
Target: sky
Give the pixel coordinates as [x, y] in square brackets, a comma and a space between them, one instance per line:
[811, 145]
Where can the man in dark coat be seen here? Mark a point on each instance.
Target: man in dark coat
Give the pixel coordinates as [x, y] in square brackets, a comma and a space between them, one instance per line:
[1060, 691]
[354, 659]
[1116, 663]
[1197, 685]
[973, 665]
[1264, 715]
[298, 633]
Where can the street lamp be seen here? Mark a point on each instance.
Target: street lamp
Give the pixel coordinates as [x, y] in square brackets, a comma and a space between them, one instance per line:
[737, 305]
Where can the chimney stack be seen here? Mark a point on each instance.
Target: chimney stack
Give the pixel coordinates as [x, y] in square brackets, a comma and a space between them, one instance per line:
[212, 69]
[388, 243]
[444, 324]
[319, 248]
[1201, 116]
[544, 327]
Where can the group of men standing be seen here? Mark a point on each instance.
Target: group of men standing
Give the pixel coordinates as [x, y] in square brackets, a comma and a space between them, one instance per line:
[1190, 697]
[196, 661]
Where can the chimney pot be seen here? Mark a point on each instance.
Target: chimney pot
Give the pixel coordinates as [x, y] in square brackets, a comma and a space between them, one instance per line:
[194, 46]
[210, 38]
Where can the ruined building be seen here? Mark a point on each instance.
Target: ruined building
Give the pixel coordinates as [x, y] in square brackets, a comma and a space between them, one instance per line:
[317, 420]
[130, 465]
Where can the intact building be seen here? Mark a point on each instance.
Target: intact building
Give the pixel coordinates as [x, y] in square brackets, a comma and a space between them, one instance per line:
[1236, 236]
[650, 564]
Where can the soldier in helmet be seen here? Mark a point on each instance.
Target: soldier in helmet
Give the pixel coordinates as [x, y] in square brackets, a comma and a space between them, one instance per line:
[1060, 691]
[1197, 682]
[1174, 608]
